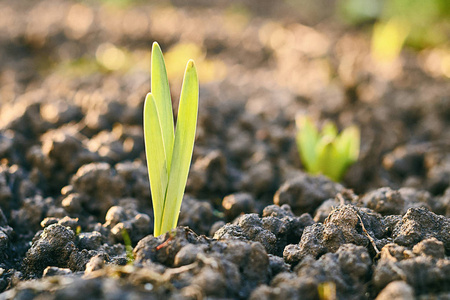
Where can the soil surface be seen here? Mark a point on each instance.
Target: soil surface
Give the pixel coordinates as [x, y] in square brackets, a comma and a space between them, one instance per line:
[76, 217]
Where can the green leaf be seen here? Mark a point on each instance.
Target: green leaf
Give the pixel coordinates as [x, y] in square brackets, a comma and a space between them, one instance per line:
[161, 93]
[330, 162]
[183, 147]
[328, 152]
[307, 138]
[329, 129]
[349, 143]
[156, 158]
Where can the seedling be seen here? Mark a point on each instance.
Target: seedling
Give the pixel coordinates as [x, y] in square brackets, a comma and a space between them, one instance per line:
[169, 154]
[327, 152]
[128, 246]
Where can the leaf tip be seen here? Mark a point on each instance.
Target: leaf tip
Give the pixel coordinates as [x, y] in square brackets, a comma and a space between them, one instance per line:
[156, 50]
[191, 64]
[155, 45]
[147, 97]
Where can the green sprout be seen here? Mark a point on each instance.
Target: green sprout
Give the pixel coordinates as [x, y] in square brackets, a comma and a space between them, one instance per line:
[128, 246]
[169, 154]
[327, 152]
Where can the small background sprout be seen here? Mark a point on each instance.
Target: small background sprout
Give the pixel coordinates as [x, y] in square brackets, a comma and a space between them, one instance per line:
[326, 152]
[169, 153]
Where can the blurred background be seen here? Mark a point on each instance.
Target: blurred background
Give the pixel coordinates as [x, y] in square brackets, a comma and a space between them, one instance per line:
[302, 44]
[381, 64]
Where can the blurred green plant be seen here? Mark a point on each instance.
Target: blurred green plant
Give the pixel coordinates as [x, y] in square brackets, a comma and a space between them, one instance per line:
[128, 246]
[326, 152]
[327, 290]
[121, 3]
[169, 155]
[414, 23]
[388, 39]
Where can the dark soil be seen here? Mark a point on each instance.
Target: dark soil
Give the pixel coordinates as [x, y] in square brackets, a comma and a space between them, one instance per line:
[253, 225]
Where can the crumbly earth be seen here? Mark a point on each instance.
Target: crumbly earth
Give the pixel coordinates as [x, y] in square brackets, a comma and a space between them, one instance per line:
[76, 217]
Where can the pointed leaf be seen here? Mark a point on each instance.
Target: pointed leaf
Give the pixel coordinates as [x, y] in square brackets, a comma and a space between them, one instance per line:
[349, 143]
[307, 138]
[156, 159]
[183, 147]
[329, 129]
[161, 93]
[330, 162]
